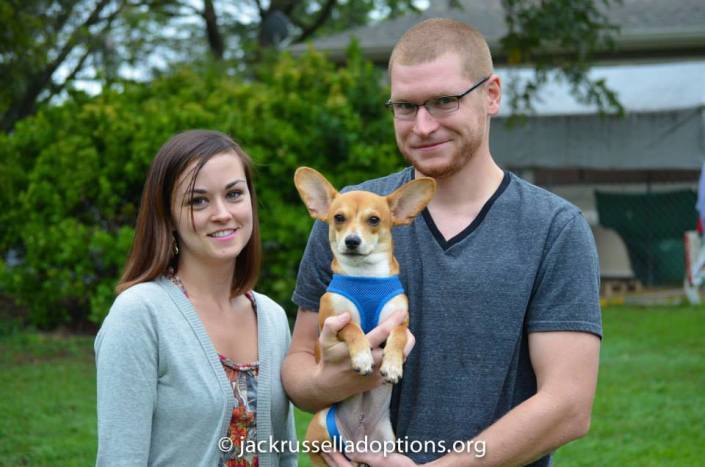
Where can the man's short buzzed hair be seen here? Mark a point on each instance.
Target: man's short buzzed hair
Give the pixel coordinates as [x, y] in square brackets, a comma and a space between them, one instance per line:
[435, 37]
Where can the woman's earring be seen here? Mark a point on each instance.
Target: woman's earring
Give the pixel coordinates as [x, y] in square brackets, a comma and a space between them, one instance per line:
[175, 247]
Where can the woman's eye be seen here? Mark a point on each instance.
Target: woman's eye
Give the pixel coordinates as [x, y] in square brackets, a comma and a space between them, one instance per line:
[235, 194]
[198, 201]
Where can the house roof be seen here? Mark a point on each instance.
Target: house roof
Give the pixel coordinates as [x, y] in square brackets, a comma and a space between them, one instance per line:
[648, 29]
[640, 87]
[663, 129]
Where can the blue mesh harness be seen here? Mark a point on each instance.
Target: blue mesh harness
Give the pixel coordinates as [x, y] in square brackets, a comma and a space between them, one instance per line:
[333, 431]
[369, 294]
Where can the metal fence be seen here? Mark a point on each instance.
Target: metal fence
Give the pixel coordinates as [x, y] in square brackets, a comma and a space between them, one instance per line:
[638, 218]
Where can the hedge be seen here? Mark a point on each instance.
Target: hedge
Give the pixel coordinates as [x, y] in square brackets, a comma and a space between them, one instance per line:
[71, 176]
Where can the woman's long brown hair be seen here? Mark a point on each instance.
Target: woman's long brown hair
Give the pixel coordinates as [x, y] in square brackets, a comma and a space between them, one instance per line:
[151, 254]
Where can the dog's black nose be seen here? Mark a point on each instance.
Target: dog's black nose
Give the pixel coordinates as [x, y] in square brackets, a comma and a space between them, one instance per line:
[352, 242]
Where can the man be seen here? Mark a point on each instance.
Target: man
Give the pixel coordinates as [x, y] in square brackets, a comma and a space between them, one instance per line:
[502, 279]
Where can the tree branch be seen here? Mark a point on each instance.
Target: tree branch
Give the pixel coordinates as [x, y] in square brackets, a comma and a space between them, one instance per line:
[76, 37]
[61, 20]
[260, 9]
[56, 88]
[322, 17]
[39, 81]
[285, 6]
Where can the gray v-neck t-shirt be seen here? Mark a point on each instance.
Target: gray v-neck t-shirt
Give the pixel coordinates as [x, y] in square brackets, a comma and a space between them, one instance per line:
[527, 263]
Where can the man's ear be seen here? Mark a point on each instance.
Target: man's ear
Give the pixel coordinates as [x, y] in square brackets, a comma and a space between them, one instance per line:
[409, 199]
[494, 94]
[315, 191]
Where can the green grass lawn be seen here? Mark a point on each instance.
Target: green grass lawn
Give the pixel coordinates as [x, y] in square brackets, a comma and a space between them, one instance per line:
[650, 406]
[47, 401]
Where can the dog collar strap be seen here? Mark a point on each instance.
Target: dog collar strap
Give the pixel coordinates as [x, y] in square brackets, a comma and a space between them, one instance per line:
[332, 427]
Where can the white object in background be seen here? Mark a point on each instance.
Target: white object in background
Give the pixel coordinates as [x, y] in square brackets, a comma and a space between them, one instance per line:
[614, 259]
[694, 266]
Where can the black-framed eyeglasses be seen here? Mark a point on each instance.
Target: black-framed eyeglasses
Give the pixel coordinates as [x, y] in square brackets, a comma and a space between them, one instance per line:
[437, 106]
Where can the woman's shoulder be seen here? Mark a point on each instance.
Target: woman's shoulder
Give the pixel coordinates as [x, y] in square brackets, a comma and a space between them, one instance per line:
[264, 302]
[134, 317]
[143, 289]
[273, 324]
[141, 302]
[141, 295]
[141, 320]
[269, 308]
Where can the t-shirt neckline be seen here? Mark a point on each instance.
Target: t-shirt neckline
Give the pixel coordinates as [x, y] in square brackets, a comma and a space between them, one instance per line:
[438, 236]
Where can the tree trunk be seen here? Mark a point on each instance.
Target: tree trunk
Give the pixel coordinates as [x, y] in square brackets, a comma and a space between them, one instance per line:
[215, 39]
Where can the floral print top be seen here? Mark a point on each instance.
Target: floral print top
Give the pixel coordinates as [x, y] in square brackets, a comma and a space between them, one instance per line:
[243, 422]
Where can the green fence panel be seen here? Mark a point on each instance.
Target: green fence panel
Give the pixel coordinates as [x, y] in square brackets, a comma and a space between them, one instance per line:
[651, 225]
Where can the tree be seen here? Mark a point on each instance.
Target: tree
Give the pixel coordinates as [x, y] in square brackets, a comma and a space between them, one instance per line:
[549, 35]
[559, 36]
[38, 38]
[76, 170]
[243, 29]
[47, 45]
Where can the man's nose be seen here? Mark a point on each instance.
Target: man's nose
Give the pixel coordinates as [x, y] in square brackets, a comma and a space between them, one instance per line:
[424, 122]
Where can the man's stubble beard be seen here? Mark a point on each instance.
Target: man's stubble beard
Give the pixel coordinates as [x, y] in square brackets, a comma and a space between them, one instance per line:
[458, 161]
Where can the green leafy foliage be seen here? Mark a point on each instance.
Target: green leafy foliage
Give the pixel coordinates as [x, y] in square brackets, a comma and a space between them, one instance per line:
[47, 46]
[76, 170]
[561, 38]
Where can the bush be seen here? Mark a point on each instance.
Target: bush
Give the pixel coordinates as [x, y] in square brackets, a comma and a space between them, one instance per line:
[72, 175]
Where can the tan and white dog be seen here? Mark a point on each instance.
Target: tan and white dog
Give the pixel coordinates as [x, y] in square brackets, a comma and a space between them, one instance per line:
[365, 284]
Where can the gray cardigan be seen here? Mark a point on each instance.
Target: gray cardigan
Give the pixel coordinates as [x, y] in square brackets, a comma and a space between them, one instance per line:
[163, 397]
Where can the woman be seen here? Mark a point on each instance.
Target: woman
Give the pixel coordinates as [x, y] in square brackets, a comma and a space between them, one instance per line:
[188, 359]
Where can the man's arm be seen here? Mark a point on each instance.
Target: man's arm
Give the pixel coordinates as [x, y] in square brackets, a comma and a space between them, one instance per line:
[314, 385]
[566, 366]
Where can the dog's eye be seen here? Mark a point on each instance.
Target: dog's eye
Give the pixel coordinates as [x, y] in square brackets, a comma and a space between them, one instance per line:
[373, 220]
[339, 218]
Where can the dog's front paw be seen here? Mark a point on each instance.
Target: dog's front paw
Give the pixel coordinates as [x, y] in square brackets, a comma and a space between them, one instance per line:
[391, 372]
[362, 362]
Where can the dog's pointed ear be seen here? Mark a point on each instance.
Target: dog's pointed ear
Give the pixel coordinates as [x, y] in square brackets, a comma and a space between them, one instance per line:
[316, 192]
[409, 199]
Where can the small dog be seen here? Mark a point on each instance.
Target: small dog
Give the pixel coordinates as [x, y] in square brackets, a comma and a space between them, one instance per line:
[365, 284]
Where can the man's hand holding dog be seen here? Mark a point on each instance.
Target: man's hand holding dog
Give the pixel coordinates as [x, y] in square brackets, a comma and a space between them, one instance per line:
[334, 370]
